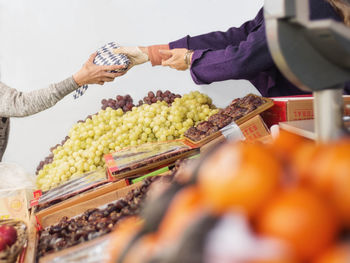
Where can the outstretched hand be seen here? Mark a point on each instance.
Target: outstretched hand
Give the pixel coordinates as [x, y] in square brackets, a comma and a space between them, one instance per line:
[91, 73]
[136, 55]
[174, 58]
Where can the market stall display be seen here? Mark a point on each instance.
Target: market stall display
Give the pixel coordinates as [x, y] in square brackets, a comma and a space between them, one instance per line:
[111, 130]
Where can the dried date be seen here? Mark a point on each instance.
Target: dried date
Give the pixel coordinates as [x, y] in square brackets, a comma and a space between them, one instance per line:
[92, 223]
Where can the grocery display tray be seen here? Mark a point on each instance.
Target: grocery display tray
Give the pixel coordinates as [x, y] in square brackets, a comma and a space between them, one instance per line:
[132, 161]
[268, 103]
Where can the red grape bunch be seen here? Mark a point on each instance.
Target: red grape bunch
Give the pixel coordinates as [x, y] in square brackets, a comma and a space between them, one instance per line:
[121, 102]
[166, 96]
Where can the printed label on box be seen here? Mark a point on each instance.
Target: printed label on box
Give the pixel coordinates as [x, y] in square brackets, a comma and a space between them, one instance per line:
[14, 206]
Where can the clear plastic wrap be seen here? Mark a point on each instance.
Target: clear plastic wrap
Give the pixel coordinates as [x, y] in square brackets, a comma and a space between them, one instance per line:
[71, 188]
[92, 253]
[145, 156]
[13, 178]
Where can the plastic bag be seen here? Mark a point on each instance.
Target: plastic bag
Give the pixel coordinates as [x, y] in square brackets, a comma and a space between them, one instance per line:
[12, 177]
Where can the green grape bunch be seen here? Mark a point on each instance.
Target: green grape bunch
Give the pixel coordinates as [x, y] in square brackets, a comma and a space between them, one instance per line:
[111, 130]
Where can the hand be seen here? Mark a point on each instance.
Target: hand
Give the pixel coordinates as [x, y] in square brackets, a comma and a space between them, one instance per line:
[174, 58]
[90, 73]
[136, 55]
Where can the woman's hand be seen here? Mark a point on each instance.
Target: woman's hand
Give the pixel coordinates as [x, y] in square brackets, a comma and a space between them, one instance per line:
[90, 73]
[136, 55]
[175, 58]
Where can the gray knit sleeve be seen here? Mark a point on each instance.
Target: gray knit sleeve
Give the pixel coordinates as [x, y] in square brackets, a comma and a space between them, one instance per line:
[14, 103]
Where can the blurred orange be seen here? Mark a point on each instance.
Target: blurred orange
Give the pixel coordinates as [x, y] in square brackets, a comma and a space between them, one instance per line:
[300, 218]
[302, 158]
[142, 250]
[121, 236]
[329, 173]
[239, 176]
[182, 210]
[286, 143]
[337, 254]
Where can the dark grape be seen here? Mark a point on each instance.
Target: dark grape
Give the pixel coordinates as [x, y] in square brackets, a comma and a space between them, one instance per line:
[151, 94]
[119, 97]
[159, 93]
[154, 100]
[121, 103]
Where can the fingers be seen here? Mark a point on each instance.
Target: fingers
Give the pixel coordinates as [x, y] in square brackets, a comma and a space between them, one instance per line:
[92, 57]
[165, 52]
[113, 67]
[114, 74]
[107, 79]
[119, 50]
[167, 62]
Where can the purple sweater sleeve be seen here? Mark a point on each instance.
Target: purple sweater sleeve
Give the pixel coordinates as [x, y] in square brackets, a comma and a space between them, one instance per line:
[219, 40]
[242, 61]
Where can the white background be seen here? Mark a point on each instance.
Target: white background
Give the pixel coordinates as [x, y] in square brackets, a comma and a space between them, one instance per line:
[45, 41]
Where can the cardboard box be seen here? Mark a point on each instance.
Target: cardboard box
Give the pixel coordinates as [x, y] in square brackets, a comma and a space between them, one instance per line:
[293, 109]
[254, 129]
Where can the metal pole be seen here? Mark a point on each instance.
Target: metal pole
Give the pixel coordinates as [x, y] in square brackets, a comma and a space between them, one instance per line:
[329, 108]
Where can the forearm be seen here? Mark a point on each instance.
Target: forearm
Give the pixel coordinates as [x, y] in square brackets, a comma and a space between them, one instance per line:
[234, 62]
[219, 40]
[14, 103]
[214, 40]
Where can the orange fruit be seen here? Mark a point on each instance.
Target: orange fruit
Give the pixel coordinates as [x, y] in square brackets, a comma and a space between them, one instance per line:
[239, 176]
[142, 250]
[301, 219]
[301, 159]
[183, 209]
[286, 143]
[121, 236]
[337, 254]
[330, 174]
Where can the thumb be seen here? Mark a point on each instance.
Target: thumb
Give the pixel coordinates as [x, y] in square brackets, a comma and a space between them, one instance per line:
[92, 58]
[165, 54]
[166, 62]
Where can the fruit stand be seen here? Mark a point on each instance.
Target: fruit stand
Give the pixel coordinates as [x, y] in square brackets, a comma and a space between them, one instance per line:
[176, 179]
